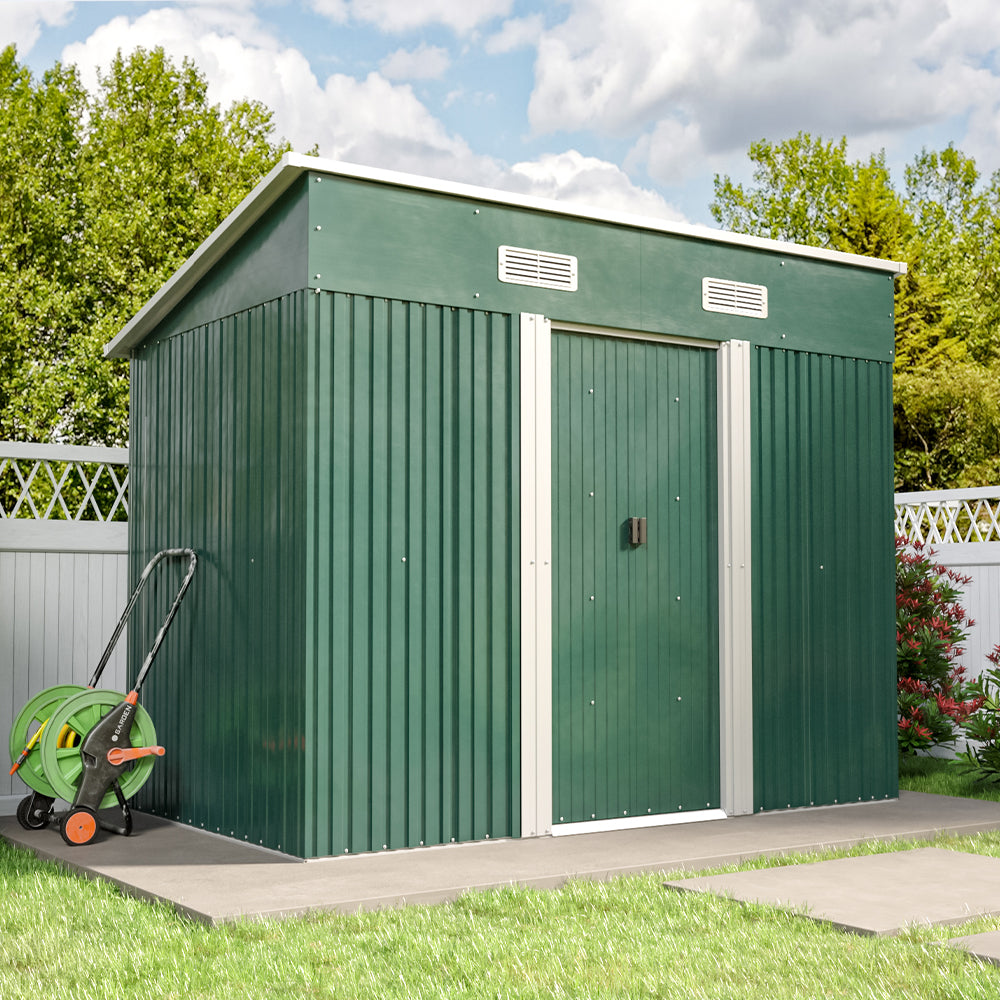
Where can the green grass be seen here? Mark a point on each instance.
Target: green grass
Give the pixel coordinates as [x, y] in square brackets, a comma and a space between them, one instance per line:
[67, 936]
[943, 777]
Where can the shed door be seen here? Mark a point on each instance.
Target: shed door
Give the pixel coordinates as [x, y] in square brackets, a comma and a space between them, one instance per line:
[635, 627]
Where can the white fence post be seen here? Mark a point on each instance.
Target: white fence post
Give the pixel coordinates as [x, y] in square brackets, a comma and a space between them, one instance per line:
[63, 574]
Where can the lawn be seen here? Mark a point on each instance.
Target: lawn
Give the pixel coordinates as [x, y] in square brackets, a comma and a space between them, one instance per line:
[943, 777]
[67, 936]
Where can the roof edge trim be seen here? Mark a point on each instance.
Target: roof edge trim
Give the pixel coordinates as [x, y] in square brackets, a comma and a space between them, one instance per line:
[266, 192]
[293, 165]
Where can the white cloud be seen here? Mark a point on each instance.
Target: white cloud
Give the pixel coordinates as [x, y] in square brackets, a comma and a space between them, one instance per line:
[516, 33]
[371, 120]
[705, 79]
[586, 180]
[404, 15]
[21, 23]
[426, 62]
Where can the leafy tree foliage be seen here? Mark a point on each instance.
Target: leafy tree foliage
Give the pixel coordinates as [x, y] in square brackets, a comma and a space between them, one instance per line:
[102, 197]
[944, 224]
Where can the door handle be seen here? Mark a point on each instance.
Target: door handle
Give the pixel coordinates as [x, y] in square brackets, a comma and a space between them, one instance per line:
[637, 530]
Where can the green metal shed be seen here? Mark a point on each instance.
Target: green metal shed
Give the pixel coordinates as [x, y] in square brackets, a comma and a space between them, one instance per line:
[514, 518]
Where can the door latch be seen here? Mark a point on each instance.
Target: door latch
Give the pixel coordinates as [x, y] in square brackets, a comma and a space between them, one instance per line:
[637, 530]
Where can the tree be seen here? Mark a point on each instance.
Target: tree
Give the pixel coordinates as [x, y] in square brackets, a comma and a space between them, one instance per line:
[102, 197]
[800, 186]
[947, 305]
[40, 227]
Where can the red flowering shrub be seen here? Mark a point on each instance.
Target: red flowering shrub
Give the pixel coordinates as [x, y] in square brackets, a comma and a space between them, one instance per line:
[934, 698]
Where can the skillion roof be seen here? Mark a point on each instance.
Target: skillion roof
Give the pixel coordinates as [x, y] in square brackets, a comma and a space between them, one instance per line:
[293, 165]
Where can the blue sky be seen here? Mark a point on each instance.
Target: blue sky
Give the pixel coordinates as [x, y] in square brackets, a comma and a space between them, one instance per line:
[627, 104]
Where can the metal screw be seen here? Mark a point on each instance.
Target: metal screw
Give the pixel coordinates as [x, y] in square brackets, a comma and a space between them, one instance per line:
[678, 597]
[591, 701]
[476, 212]
[592, 597]
[591, 492]
[476, 296]
[318, 228]
[319, 180]
[318, 276]
[591, 391]
[677, 498]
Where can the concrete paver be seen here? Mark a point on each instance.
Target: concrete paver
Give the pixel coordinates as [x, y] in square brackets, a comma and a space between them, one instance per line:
[216, 879]
[985, 947]
[878, 894]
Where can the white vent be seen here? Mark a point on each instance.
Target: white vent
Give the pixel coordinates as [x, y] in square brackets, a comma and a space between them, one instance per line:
[518, 266]
[734, 297]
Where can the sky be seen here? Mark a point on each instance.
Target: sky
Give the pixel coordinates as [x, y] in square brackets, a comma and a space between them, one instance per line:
[630, 105]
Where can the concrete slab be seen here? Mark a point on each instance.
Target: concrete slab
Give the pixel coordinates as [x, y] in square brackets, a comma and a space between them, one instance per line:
[879, 894]
[985, 947]
[216, 879]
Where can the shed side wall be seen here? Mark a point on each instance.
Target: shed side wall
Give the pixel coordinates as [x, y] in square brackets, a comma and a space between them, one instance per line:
[823, 580]
[217, 464]
[413, 615]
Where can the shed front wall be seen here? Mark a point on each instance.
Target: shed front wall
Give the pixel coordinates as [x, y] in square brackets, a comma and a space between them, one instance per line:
[824, 663]
[424, 246]
[412, 619]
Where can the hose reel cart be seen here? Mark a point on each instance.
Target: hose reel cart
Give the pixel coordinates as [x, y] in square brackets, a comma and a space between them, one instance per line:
[89, 746]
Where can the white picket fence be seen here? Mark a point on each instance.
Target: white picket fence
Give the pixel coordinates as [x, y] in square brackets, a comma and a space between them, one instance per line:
[963, 529]
[63, 573]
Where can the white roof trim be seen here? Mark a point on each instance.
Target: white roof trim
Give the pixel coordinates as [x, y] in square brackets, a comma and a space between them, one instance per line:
[293, 165]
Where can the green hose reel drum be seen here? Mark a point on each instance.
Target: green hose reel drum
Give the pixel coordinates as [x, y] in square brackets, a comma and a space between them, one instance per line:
[65, 714]
[25, 731]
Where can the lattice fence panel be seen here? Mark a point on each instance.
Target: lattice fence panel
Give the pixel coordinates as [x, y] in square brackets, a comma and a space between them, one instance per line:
[53, 483]
[947, 517]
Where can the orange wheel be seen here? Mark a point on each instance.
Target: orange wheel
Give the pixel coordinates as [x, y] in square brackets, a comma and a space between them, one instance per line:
[79, 826]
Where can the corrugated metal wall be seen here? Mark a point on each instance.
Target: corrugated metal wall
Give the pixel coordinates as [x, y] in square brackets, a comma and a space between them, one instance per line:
[218, 464]
[824, 643]
[412, 620]
[635, 629]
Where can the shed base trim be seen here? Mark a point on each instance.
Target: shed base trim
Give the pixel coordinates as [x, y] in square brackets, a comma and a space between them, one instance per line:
[636, 822]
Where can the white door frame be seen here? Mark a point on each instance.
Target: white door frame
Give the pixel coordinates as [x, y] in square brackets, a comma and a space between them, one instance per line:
[735, 656]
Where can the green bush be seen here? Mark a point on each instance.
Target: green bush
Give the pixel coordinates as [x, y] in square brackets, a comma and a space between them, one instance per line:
[982, 754]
